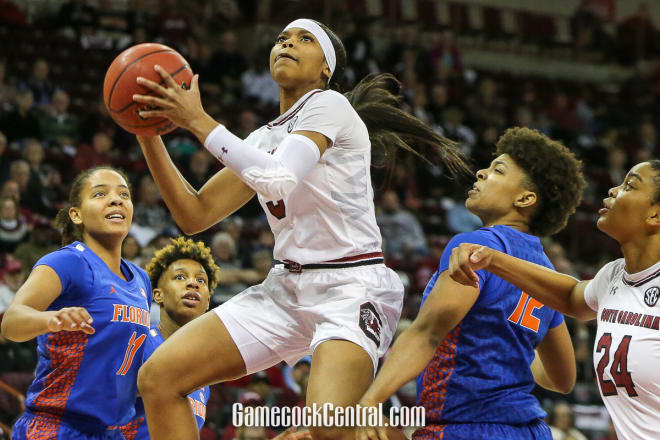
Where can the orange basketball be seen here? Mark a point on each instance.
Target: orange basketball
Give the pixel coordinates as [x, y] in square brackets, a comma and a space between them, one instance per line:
[120, 85]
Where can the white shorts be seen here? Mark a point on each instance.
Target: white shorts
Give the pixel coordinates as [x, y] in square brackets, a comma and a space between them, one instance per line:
[288, 315]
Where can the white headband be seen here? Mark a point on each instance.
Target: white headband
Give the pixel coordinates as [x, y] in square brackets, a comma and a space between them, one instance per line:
[321, 36]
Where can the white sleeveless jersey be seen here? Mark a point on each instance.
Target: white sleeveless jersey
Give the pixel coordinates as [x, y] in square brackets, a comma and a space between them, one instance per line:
[627, 348]
[330, 214]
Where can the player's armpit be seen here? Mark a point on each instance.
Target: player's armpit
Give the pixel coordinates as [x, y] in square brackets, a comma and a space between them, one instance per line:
[554, 367]
[320, 140]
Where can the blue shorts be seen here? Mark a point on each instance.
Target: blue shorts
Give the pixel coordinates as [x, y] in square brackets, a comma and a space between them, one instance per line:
[536, 430]
[48, 427]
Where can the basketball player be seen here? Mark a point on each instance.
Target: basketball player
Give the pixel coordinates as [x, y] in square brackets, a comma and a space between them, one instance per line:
[183, 275]
[623, 297]
[480, 349]
[330, 294]
[89, 310]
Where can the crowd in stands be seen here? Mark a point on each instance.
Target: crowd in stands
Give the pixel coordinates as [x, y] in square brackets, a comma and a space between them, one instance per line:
[53, 124]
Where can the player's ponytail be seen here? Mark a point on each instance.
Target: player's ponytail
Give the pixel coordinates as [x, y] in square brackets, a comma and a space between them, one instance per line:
[70, 231]
[376, 99]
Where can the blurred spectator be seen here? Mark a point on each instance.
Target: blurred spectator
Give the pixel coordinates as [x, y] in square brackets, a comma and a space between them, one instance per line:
[43, 239]
[248, 121]
[30, 184]
[22, 122]
[10, 14]
[7, 91]
[13, 227]
[227, 64]
[636, 36]
[557, 256]
[42, 87]
[113, 25]
[564, 118]
[4, 159]
[89, 156]
[131, 250]
[251, 433]
[199, 168]
[401, 230]
[646, 145]
[487, 107]
[296, 378]
[587, 25]
[14, 275]
[459, 219]
[172, 24]
[615, 172]
[445, 56]
[148, 211]
[57, 124]
[563, 423]
[74, 17]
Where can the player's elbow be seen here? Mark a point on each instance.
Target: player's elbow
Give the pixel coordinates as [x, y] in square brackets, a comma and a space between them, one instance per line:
[565, 387]
[565, 382]
[9, 330]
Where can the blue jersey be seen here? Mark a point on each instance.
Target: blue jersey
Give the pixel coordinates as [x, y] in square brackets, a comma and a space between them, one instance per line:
[481, 371]
[90, 381]
[136, 429]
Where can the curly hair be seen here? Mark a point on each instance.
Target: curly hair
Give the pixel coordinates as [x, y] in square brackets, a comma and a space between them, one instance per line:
[183, 248]
[554, 174]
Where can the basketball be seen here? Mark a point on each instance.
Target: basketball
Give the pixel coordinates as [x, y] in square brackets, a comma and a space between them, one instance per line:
[120, 85]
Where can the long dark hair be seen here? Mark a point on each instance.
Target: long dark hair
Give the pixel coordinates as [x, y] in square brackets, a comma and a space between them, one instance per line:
[376, 100]
[70, 231]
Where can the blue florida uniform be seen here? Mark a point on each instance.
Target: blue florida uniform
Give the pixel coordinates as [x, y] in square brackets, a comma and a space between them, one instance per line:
[136, 429]
[479, 383]
[86, 385]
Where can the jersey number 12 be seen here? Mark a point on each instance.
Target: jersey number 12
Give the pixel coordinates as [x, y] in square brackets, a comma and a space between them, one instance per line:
[618, 370]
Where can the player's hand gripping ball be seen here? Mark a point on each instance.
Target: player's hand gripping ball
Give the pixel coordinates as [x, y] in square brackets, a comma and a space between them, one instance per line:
[120, 85]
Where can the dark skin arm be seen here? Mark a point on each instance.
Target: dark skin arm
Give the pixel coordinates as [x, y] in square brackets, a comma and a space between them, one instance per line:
[26, 318]
[445, 307]
[556, 290]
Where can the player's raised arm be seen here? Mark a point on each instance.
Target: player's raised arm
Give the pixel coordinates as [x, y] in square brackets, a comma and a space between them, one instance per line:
[26, 317]
[556, 290]
[193, 210]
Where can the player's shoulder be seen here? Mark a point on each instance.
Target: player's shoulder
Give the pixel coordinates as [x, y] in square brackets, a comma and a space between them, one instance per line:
[612, 269]
[484, 236]
[330, 98]
[70, 254]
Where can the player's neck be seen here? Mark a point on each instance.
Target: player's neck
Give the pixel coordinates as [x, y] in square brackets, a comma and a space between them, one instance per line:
[167, 326]
[512, 221]
[289, 96]
[109, 253]
[641, 253]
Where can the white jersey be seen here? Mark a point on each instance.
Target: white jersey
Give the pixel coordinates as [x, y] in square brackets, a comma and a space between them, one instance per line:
[627, 349]
[330, 215]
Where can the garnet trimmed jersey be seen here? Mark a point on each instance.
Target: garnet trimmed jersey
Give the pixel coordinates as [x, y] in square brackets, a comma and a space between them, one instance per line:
[137, 429]
[90, 381]
[481, 371]
[627, 347]
[330, 214]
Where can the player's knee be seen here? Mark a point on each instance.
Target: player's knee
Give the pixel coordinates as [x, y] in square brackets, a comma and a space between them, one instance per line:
[332, 433]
